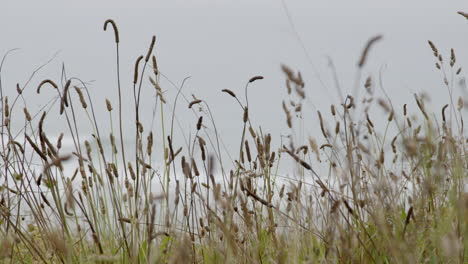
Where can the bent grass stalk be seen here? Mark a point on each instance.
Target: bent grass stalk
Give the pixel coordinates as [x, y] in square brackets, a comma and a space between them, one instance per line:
[351, 195]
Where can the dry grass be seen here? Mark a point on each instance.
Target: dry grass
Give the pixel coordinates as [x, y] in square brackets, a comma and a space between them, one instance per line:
[391, 194]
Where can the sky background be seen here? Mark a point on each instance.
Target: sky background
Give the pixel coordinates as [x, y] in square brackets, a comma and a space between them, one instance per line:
[221, 44]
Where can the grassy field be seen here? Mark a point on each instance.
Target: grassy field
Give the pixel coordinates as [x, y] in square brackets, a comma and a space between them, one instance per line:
[391, 194]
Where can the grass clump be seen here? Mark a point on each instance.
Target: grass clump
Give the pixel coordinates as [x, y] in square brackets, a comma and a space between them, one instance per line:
[360, 194]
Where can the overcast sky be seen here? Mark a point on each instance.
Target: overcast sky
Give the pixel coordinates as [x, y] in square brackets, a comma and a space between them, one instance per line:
[221, 44]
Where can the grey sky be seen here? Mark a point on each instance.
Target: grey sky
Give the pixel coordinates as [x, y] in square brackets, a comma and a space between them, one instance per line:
[221, 44]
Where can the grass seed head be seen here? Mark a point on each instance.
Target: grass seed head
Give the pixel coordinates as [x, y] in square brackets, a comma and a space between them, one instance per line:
[114, 26]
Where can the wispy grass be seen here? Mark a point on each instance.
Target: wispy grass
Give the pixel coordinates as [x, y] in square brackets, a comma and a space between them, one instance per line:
[390, 194]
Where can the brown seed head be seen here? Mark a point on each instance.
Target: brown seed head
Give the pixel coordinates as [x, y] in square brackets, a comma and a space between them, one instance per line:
[463, 14]
[433, 48]
[26, 113]
[246, 114]
[194, 103]
[367, 48]
[443, 112]
[44, 82]
[155, 65]
[255, 78]
[18, 89]
[199, 123]
[135, 74]
[114, 26]
[231, 93]
[81, 96]
[108, 105]
[150, 50]
[453, 59]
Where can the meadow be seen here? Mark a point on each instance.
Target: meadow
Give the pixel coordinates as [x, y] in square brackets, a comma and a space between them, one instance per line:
[358, 193]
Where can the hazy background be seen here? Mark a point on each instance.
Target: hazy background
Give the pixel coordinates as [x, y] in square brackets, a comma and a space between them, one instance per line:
[221, 44]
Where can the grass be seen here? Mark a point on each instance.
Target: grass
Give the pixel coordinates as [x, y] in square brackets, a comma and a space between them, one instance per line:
[390, 194]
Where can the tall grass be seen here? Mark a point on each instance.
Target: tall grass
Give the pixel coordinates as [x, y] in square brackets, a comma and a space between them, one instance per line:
[390, 194]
